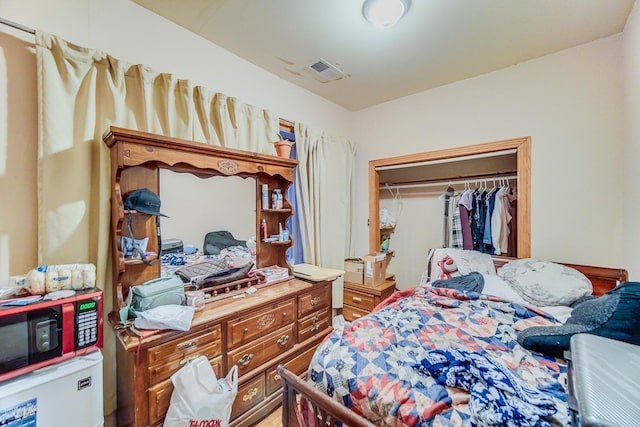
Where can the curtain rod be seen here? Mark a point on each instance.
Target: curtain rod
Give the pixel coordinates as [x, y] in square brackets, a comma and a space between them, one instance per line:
[17, 26]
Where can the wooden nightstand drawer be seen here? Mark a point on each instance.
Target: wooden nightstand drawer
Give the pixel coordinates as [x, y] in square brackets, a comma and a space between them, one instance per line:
[160, 394]
[246, 329]
[252, 356]
[313, 324]
[352, 313]
[249, 395]
[186, 346]
[313, 300]
[359, 300]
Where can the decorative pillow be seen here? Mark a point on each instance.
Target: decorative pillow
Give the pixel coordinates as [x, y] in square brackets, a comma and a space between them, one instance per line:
[613, 315]
[544, 283]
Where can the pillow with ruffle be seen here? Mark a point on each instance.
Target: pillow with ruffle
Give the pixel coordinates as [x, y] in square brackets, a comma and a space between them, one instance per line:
[545, 283]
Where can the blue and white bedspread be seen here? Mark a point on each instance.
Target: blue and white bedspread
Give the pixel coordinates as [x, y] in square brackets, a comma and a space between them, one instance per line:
[441, 357]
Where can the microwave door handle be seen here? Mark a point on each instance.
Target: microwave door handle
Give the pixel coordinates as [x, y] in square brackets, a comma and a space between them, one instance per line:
[68, 328]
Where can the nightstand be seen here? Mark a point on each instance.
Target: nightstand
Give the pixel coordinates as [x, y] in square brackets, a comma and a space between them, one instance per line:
[359, 300]
[603, 381]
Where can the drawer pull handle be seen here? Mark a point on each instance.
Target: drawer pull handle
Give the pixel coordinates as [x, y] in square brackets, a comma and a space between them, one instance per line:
[356, 315]
[315, 300]
[189, 359]
[249, 395]
[277, 377]
[283, 340]
[315, 327]
[187, 344]
[246, 359]
[245, 330]
[315, 318]
[356, 299]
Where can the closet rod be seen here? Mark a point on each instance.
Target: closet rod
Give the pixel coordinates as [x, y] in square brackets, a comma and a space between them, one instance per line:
[17, 26]
[447, 182]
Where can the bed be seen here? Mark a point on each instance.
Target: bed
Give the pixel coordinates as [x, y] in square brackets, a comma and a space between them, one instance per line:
[438, 356]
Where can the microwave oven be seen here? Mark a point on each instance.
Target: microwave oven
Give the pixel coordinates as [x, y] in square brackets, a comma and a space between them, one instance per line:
[42, 333]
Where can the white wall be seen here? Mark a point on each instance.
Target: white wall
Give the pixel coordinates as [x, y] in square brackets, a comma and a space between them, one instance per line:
[128, 32]
[631, 180]
[571, 105]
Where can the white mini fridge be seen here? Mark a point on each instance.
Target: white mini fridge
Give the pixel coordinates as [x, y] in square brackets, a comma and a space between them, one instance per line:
[65, 394]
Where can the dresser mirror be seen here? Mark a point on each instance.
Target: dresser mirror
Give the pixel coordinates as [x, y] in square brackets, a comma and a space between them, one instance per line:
[196, 206]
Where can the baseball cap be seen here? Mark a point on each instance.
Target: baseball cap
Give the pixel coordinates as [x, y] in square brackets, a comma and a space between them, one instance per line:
[145, 201]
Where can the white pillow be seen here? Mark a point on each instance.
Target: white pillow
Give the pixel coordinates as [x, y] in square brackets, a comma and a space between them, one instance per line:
[496, 286]
[544, 283]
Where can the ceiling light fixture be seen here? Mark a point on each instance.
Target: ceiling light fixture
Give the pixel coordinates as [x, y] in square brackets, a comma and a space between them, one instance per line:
[384, 13]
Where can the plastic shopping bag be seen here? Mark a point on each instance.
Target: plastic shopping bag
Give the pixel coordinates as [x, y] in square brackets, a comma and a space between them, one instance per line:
[199, 399]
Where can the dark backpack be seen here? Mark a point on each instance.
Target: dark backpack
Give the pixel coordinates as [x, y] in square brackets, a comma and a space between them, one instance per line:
[215, 241]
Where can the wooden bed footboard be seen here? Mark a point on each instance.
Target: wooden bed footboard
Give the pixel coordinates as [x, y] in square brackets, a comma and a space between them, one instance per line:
[319, 410]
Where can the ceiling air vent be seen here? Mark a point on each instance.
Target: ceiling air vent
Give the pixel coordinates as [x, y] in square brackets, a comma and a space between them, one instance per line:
[325, 72]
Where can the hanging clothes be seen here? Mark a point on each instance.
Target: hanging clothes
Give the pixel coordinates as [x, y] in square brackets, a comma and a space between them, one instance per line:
[465, 208]
[480, 220]
[446, 225]
[456, 223]
[487, 242]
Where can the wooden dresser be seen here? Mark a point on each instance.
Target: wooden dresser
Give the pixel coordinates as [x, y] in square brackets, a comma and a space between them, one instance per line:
[359, 300]
[282, 323]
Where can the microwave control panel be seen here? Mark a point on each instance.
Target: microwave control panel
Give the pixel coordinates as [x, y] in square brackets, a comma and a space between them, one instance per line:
[87, 323]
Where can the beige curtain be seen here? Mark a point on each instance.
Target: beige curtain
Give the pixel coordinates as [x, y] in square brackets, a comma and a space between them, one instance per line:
[324, 189]
[81, 93]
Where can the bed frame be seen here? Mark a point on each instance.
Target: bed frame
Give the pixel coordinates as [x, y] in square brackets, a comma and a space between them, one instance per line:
[328, 412]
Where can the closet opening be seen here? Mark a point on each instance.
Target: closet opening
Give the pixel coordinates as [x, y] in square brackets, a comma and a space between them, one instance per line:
[432, 172]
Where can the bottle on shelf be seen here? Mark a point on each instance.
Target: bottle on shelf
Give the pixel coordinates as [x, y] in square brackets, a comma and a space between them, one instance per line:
[276, 202]
[265, 196]
[263, 229]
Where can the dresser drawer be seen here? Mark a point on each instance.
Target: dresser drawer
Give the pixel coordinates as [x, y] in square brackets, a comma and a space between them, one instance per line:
[352, 313]
[314, 323]
[247, 328]
[165, 370]
[253, 355]
[313, 300]
[160, 394]
[249, 395]
[186, 346]
[359, 300]
[298, 365]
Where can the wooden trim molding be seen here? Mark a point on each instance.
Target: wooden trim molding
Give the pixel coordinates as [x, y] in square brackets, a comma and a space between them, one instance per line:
[523, 155]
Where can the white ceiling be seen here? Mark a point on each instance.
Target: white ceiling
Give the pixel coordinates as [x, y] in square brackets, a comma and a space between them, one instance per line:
[437, 42]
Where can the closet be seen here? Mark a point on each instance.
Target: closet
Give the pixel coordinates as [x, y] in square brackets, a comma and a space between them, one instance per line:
[433, 171]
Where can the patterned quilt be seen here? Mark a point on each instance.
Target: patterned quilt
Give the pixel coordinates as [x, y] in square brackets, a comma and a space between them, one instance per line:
[376, 364]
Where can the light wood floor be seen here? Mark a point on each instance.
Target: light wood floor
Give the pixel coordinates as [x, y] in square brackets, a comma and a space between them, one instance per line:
[273, 420]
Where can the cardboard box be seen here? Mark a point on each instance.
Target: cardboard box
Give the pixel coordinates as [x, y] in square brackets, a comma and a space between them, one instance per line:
[354, 270]
[375, 267]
